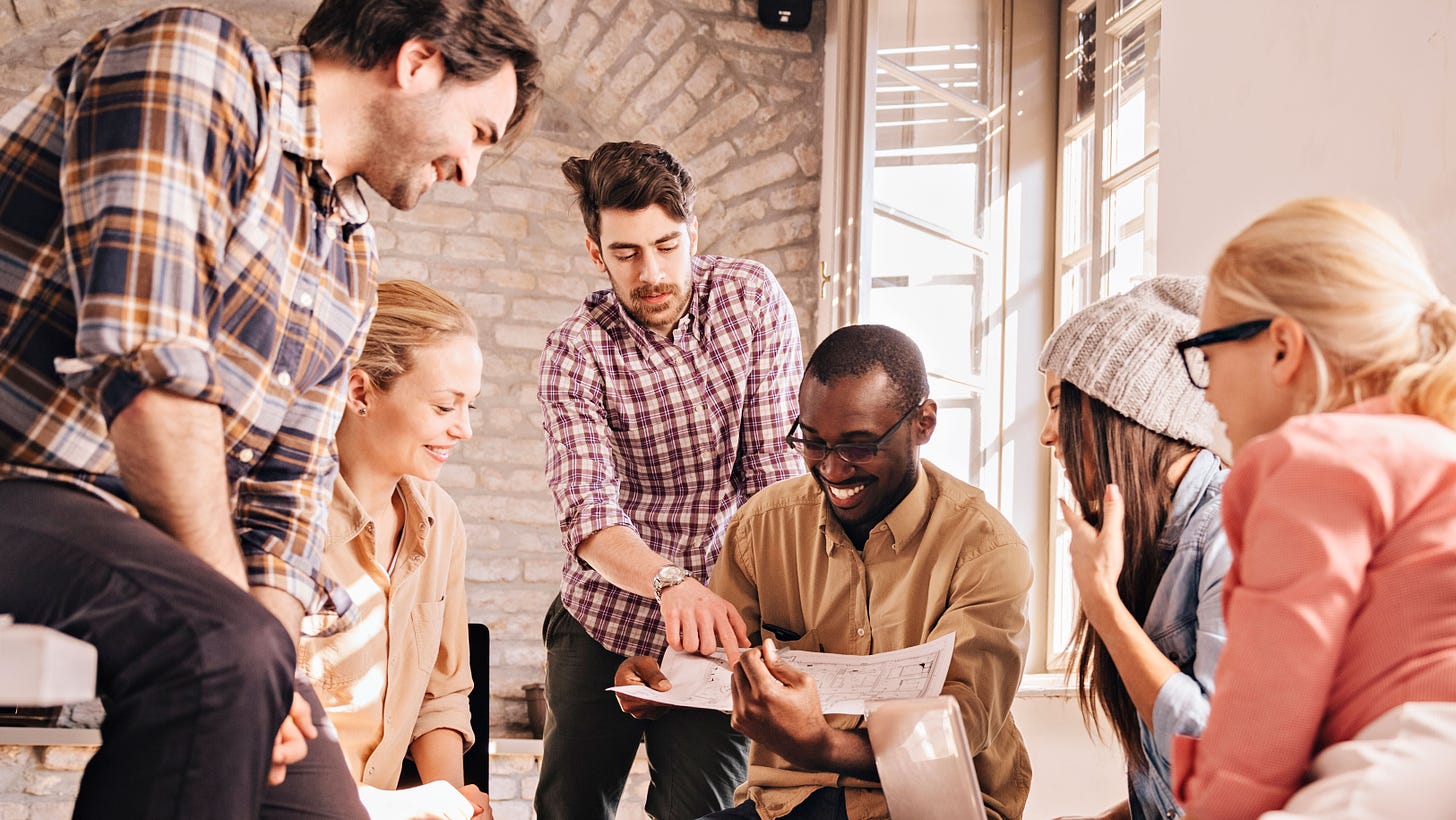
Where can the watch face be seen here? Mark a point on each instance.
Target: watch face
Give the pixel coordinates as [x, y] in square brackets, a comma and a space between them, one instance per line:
[669, 576]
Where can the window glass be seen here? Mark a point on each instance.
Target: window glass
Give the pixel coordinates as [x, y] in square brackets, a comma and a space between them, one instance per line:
[1132, 129]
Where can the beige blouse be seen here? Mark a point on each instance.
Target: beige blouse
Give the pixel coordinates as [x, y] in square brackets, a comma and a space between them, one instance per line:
[403, 669]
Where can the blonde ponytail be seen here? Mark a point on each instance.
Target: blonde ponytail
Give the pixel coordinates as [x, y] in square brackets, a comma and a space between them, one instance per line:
[1428, 386]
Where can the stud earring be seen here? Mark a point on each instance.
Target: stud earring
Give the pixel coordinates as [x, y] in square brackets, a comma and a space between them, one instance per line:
[363, 411]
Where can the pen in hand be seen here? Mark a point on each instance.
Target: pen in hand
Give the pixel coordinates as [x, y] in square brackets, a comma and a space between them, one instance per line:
[771, 658]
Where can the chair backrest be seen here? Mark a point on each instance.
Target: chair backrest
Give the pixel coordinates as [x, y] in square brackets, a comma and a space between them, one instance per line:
[477, 758]
[925, 763]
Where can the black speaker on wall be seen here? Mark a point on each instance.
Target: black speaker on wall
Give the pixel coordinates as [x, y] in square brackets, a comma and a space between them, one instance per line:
[790, 14]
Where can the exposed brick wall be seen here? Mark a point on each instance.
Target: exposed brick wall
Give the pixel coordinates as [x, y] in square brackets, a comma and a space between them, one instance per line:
[39, 783]
[741, 105]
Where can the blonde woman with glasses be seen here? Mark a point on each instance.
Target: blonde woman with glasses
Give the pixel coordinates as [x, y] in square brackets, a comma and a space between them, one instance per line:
[1330, 355]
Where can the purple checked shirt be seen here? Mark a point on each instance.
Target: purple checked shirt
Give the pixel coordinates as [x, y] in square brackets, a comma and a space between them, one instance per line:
[666, 435]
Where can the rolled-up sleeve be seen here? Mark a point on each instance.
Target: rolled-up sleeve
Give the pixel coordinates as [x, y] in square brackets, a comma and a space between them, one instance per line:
[1182, 705]
[579, 466]
[283, 504]
[164, 138]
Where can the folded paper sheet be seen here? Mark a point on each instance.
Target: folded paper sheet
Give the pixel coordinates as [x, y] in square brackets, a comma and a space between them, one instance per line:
[846, 682]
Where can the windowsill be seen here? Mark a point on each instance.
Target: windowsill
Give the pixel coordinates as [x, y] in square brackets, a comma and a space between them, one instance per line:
[1046, 685]
[48, 736]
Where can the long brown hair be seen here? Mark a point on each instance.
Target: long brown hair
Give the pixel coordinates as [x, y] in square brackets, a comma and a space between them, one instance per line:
[1101, 446]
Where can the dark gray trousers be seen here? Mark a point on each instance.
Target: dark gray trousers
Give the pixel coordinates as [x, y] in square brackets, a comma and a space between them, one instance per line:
[695, 757]
[195, 675]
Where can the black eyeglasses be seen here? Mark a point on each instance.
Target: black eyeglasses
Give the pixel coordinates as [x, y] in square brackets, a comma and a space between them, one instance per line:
[1194, 360]
[855, 452]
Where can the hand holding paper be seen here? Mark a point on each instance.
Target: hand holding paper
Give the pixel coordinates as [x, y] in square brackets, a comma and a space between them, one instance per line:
[844, 682]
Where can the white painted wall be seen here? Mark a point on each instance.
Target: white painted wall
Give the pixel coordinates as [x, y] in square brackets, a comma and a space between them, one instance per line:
[1072, 773]
[1266, 101]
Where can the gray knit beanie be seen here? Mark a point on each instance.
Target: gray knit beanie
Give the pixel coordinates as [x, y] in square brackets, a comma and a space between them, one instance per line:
[1121, 351]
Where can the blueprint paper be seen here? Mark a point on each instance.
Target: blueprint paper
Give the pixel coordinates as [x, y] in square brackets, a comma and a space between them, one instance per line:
[845, 682]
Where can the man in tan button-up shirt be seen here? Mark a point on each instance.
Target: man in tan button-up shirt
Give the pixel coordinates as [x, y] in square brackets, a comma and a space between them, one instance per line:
[873, 551]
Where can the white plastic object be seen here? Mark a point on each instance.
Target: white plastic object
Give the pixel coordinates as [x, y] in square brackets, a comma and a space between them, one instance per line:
[925, 763]
[42, 667]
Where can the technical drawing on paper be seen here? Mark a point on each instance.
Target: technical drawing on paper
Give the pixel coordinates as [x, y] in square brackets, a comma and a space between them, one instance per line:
[845, 682]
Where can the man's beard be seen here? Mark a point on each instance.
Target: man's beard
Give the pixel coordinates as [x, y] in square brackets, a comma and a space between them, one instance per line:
[399, 151]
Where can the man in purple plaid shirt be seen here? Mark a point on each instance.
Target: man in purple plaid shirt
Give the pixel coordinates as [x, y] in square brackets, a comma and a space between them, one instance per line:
[665, 399]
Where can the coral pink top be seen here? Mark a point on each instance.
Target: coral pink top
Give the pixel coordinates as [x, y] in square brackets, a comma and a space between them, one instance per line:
[1340, 604]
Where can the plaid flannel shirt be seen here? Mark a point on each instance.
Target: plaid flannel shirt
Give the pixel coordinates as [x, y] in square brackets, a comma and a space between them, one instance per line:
[166, 222]
[666, 435]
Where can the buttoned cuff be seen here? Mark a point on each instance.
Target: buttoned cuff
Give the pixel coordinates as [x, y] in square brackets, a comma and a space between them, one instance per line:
[1181, 708]
[326, 605]
[180, 367]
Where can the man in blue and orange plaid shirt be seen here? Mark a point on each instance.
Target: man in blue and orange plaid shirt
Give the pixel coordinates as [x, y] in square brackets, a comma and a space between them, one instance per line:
[186, 272]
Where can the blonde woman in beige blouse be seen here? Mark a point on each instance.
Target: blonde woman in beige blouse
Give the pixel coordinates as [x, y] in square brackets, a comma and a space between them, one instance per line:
[397, 681]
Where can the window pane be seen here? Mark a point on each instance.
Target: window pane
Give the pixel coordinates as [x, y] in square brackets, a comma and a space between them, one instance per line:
[1132, 129]
[1130, 216]
[941, 41]
[1074, 291]
[1077, 182]
[1083, 70]
[1124, 5]
[1064, 606]
[940, 313]
[932, 188]
[953, 446]
[933, 174]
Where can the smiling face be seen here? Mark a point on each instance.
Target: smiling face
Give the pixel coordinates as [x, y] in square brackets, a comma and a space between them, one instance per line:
[428, 132]
[648, 256]
[412, 428]
[861, 409]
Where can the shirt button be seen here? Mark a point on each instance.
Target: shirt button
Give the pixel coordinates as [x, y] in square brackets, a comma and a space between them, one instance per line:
[284, 379]
[859, 632]
[246, 456]
[305, 300]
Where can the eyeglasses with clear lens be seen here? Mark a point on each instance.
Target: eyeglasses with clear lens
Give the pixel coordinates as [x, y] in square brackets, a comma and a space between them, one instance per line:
[1195, 361]
[857, 452]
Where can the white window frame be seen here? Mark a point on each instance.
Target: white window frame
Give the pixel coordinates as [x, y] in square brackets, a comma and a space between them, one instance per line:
[1015, 473]
[1072, 295]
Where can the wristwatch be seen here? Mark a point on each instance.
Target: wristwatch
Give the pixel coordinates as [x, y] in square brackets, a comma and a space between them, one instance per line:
[669, 576]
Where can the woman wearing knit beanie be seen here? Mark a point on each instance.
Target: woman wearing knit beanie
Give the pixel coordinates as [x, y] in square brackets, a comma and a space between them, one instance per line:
[1331, 357]
[1133, 435]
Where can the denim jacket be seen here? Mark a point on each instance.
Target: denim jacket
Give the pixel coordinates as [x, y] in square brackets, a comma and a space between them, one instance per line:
[1185, 622]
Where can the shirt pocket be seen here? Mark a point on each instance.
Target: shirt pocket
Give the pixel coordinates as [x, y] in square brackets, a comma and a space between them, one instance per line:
[339, 664]
[1178, 642]
[428, 622]
[808, 643]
